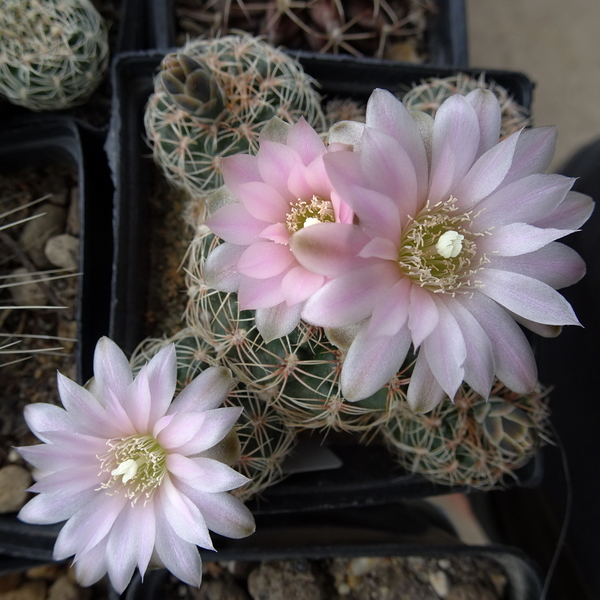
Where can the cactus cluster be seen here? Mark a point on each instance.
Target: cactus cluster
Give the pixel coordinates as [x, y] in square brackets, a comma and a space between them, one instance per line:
[430, 93]
[212, 98]
[472, 441]
[53, 53]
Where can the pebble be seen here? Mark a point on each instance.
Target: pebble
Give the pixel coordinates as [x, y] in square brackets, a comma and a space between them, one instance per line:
[364, 565]
[32, 590]
[73, 214]
[50, 571]
[63, 251]
[64, 589]
[439, 582]
[285, 580]
[14, 480]
[467, 591]
[221, 590]
[9, 581]
[444, 563]
[36, 232]
[28, 293]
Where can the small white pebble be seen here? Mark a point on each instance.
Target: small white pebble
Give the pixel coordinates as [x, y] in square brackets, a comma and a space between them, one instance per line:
[343, 589]
[363, 565]
[440, 584]
[444, 563]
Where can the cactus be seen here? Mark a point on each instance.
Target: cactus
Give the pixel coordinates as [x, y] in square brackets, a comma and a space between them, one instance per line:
[470, 442]
[298, 373]
[262, 439]
[53, 53]
[212, 98]
[430, 93]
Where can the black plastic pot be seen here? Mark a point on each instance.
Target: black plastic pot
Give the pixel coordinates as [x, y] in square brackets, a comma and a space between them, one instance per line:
[399, 529]
[52, 141]
[369, 474]
[446, 42]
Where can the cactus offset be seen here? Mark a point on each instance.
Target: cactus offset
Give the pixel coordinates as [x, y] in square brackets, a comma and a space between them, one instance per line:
[430, 93]
[470, 442]
[212, 99]
[53, 53]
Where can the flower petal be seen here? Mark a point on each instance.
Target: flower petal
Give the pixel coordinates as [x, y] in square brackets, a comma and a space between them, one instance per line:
[260, 293]
[220, 269]
[239, 169]
[423, 315]
[489, 116]
[527, 297]
[42, 417]
[305, 141]
[571, 213]
[206, 392]
[371, 362]
[70, 481]
[111, 370]
[298, 285]
[91, 566]
[264, 202]
[277, 321]
[391, 313]
[205, 474]
[263, 260]
[275, 161]
[46, 509]
[533, 153]
[518, 238]
[424, 391]
[162, 380]
[235, 224]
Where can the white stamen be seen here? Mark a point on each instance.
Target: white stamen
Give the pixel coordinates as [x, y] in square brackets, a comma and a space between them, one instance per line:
[450, 244]
[127, 468]
[311, 221]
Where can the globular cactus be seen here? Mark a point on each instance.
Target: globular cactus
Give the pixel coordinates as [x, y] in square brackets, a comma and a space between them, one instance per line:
[430, 93]
[212, 98]
[261, 441]
[298, 374]
[53, 53]
[470, 442]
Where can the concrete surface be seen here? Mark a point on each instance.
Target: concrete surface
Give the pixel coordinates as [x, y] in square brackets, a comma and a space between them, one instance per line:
[556, 43]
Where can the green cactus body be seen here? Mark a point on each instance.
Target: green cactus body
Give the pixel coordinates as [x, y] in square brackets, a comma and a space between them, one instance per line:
[298, 373]
[429, 95]
[470, 442]
[262, 440]
[211, 100]
[53, 53]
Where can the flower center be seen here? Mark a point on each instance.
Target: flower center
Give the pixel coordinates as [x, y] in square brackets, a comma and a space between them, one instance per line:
[137, 465]
[438, 250]
[305, 214]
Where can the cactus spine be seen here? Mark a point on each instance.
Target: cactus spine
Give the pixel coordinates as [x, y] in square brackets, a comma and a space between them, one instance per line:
[213, 97]
[53, 53]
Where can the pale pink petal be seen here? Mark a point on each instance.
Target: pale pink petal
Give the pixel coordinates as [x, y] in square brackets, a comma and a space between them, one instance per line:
[479, 364]
[424, 391]
[223, 513]
[547, 331]
[275, 161]
[389, 169]
[329, 249]
[180, 557]
[299, 284]
[345, 171]
[305, 141]
[380, 247]
[371, 362]
[486, 174]
[49, 457]
[42, 417]
[162, 379]
[343, 212]
[111, 369]
[446, 351]
[301, 187]
[207, 391]
[533, 153]
[386, 113]
[182, 515]
[91, 566]
[525, 201]
[514, 360]
[571, 213]
[45, 509]
[555, 264]
[455, 143]
[260, 293]
[263, 202]
[391, 313]
[89, 525]
[218, 424]
[205, 474]
[181, 428]
[423, 315]
[277, 233]
[489, 116]
[239, 169]
[518, 238]
[235, 224]
[527, 297]
[263, 260]
[277, 321]
[70, 480]
[350, 298]
[220, 268]
[138, 401]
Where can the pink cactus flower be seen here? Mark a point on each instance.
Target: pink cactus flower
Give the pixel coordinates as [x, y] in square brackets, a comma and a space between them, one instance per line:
[282, 190]
[133, 473]
[461, 248]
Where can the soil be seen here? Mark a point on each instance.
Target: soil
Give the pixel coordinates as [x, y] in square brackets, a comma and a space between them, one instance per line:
[33, 379]
[358, 578]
